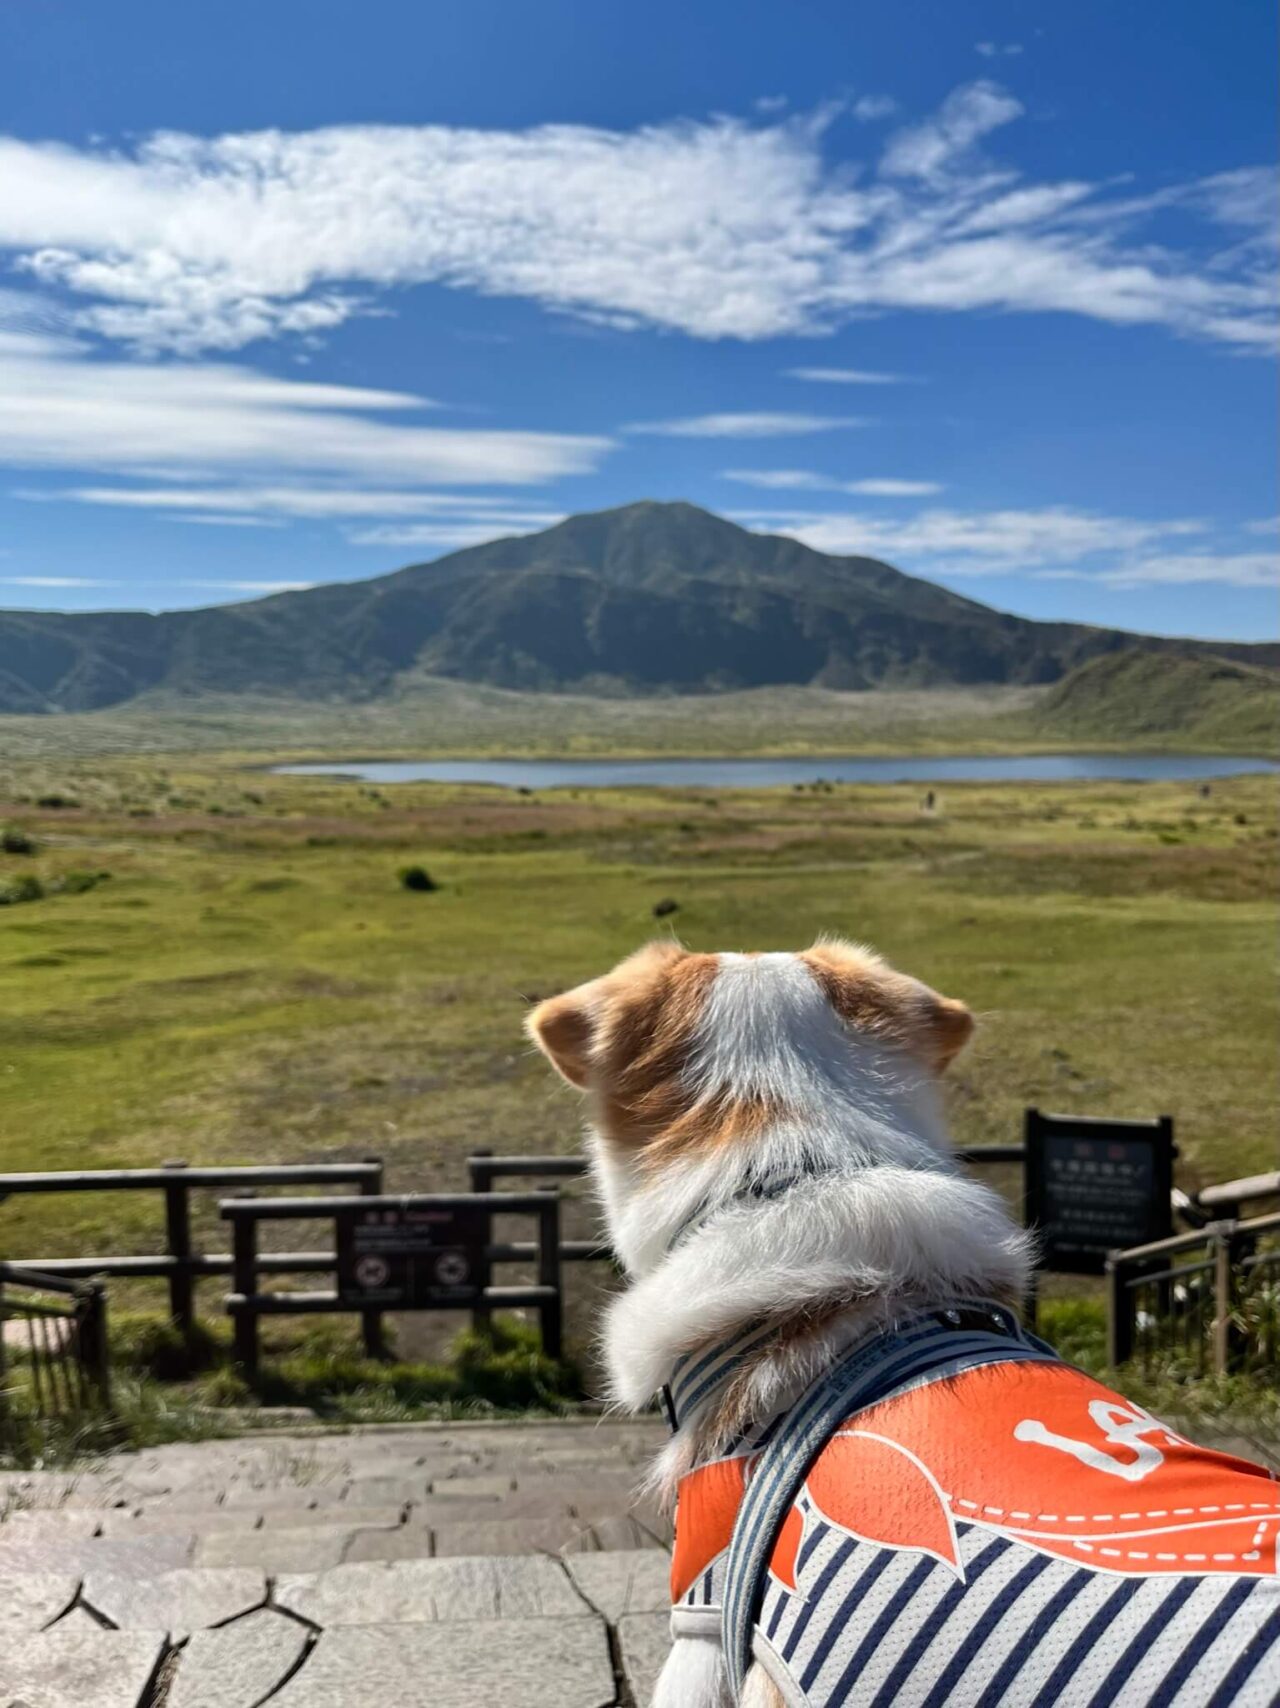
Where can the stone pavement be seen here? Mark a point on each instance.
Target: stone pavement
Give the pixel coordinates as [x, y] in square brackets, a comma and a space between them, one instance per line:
[459, 1566]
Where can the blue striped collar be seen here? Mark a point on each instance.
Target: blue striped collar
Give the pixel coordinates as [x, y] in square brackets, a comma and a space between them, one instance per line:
[697, 1376]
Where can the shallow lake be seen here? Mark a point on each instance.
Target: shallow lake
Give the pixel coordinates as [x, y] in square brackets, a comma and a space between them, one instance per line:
[765, 773]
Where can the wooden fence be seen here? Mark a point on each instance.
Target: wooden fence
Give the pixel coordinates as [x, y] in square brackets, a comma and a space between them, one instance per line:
[247, 1304]
[181, 1264]
[1208, 1300]
[63, 1344]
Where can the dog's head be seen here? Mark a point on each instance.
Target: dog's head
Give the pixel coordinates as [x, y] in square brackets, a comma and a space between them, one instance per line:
[703, 1066]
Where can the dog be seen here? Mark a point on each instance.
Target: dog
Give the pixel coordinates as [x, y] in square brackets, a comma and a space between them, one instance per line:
[886, 1491]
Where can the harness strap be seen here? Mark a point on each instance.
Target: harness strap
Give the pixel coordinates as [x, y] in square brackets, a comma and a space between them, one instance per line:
[927, 1348]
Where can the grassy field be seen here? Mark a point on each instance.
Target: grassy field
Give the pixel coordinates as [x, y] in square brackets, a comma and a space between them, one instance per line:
[221, 964]
[252, 981]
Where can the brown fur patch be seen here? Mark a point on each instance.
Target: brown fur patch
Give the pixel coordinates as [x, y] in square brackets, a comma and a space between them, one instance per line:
[628, 1036]
[868, 994]
[648, 1018]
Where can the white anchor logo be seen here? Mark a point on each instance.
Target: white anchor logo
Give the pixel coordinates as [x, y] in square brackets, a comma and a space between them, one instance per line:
[1121, 1426]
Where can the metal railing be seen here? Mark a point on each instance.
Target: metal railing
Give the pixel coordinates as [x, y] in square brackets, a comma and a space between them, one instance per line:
[181, 1264]
[1208, 1300]
[62, 1344]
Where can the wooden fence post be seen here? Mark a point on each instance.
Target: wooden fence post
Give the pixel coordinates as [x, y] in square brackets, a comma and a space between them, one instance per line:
[244, 1281]
[481, 1181]
[94, 1348]
[177, 1217]
[1119, 1312]
[552, 1310]
[375, 1343]
[1221, 1235]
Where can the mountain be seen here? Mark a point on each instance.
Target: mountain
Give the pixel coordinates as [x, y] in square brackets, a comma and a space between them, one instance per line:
[647, 598]
[1136, 694]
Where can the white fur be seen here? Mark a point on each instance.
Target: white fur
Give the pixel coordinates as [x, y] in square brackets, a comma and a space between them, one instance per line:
[693, 1676]
[878, 1218]
[877, 1237]
[767, 1030]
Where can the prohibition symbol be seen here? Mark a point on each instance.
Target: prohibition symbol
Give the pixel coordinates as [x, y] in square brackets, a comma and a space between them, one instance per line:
[372, 1271]
[452, 1269]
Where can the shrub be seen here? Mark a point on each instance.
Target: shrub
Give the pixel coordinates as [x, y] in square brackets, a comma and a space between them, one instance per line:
[16, 841]
[417, 878]
[52, 802]
[668, 905]
[77, 881]
[26, 888]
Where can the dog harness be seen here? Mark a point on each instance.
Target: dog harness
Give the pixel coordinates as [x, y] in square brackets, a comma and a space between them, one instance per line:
[953, 1516]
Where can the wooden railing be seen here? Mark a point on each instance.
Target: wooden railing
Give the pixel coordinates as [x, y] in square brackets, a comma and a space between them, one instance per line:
[63, 1344]
[180, 1263]
[1209, 1299]
[246, 1304]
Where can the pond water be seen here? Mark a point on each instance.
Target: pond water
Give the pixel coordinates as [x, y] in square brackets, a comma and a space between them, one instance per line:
[765, 773]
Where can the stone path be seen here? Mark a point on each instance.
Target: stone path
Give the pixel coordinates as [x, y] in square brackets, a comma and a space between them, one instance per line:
[465, 1566]
[474, 1566]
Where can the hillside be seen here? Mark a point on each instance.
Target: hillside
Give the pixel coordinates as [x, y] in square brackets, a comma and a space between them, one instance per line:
[649, 598]
[1137, 695]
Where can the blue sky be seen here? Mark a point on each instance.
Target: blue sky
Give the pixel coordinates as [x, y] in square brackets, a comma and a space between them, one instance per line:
[303, 292]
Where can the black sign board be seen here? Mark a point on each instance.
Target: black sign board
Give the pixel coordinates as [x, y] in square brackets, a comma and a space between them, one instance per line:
[412, 1256]
[1096, 1186]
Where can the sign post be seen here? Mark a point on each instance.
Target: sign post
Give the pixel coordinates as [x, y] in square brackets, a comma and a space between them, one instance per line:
[1096, 1186]
[409, 1257]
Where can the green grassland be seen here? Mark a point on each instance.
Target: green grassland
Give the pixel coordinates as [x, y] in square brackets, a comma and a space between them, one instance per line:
[252, 982]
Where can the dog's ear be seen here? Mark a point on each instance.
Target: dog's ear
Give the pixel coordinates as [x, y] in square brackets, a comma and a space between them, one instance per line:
[948, 1026]
[872, 997]
[563, 1028]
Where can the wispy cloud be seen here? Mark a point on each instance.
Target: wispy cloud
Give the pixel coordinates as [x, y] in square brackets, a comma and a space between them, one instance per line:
[202, 521]
[456, 531]
[306, 502]
[982, 543]
[264, 587]
[998, 50]
[848, 376]
[724, 228]
[783, 480]
[54, 581]
[761, 424]
[179, 420]
[868, 108]
[1185, 569]
[1266, 525]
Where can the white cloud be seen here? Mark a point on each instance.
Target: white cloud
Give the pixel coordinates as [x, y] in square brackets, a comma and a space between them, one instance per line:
[761, 424]
[975, 543]
[252, 586]
[722, 228]
[54, 581]
[890, 488]
[770, 104]
[868, 108]
[848, 376]
[941, 144]
[782, 480]
[455, 532]
[61, 410]
[307, 502]
[998, 50]
[226, 521]
[1267, 525]
[1224, 569]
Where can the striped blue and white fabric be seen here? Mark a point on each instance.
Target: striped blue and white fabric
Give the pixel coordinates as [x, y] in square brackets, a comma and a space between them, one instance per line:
[887, 1628]
[1012, 1607]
